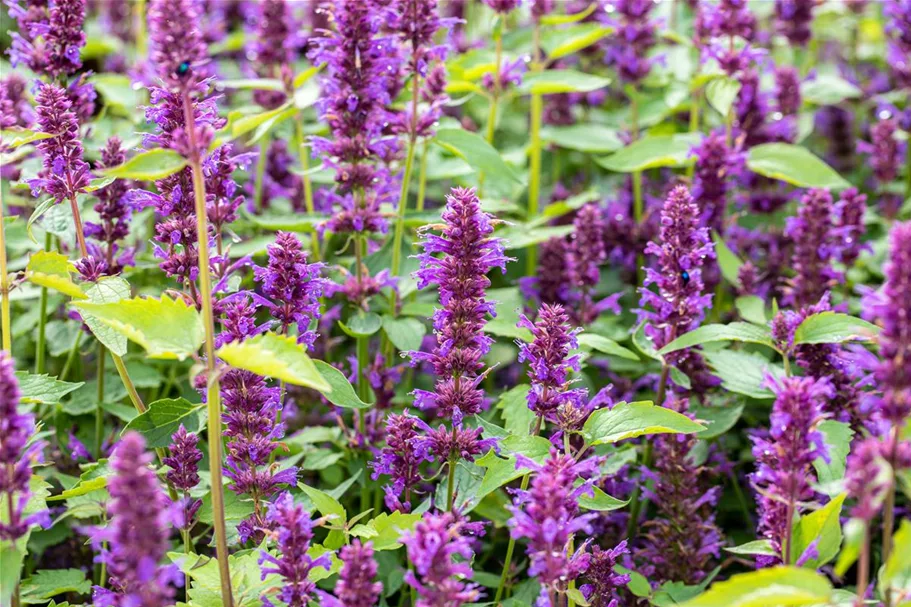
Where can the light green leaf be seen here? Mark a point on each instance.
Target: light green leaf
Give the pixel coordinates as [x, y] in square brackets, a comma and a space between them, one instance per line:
[166, 328]
[592, 138]
[118, 92]
[751, 309]
[735, 331]
[833, 327]
[40, 209]
[652, 152]
[718, 419]
[551, 82]
[110, 289]
[342, 392]
[554, 19]
[773, 587]
[163, 418]
[593, 341]
[828, 89]
[823, 527]
[743, 372]
[307, 74]
[43, 389]
[362, 324]
[521, 236]
[601, 501]
[474, 149]
[15, 138]
[897, 571]
[326, 504]
[253, 84]
[629, 420]
[513, 404]
[728, 262]
[721, 93]
[52, 270]
[853, 532]
[795, 165]
[837, 438]
[386, 530]
[45, 584]
[559, 43]
[754, 548]
[148, 166]
[406, 333]
[276, 356]
[237, 508]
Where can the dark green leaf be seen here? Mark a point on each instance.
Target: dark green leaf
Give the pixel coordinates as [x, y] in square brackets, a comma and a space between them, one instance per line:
[342, 392]
[629, 420]
[148, 166]
[164, 417]
[735, 331]
[652, 152]
[795, 165]
[833, 327]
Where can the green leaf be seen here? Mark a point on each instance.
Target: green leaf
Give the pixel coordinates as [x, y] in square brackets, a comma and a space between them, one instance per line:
[592, 138]
[601, 501]
[110, 289]
[828, 89]
[721, 93]
[751, 309]
[40, 209]
[795, 165]
[832, 328]
[118, 93]
[45, 584]
[743, 372]
[853, 532]
[562, 42]
[735, 331]
[837, 438]
[754, 548]
[652, 152]
[84, 487]
[565, 19]
[244, 125]
[629, 420]
[822, 527]
[728, 262]
[362, 324]
[237, 508]
[897, 571]
[52, 270]
[718, 419]
[163, 418]
[551, 82]
[513, 404]
[386, 530]
[253, 84]
[148, 166]
[342, 392]
[44, 389]
[474, 149]
[166, 328]
[593, 341]
[15, 138]
[406, 333]
[11, 556]
[773, 587]
[521, 236]
[326, 504]
[276, 356]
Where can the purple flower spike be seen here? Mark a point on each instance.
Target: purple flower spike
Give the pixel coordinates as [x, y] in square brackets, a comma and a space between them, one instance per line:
[275, 47]
[894, 312]
[605, 585]
[503, 6]
[588, 253]
[184, 473]
[815, 247]
[356, 586]
[716, 165]
[868, 477]
[793, 19]
[178, 51]
[50, 36]
[885, 156]
[849, 211]
[17, 456]
[549, 362]
[294, 532]
[787, 84]
[547, 515]
[401, 459]
[785, 453]
[898, 25]
[114, 212]
[635, 36]
[438, 577]
[137, 535]
[469, 252]
[65, 173]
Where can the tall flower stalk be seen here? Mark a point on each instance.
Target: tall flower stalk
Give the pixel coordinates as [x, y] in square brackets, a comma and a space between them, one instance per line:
[5, 324]
[180, 56]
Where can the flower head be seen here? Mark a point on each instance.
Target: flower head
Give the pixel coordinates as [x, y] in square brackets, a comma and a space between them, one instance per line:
[401, 459]
[604, 583]
[635, 36]
[793, 19]
[50, 36]
[65, 172]
[114, 213]
[178, 50]
[356, 586]
[815, 247]
[184, 473]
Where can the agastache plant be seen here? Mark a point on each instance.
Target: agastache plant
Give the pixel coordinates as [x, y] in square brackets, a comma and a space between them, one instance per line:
[50, 36]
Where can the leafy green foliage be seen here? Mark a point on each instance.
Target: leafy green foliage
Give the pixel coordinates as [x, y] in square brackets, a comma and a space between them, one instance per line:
[164, 417]
[629, 420]
[276, 356]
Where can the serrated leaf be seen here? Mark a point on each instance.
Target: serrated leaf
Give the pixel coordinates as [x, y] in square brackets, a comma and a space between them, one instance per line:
[14, 138]
[717, 419]
[743, 372]
[342, 393]
[43, 389]
[754, 548]
[276, 356]
[163, 418]
[735, 331]
[110, 289]
[629, 420]
[822, 528]
[652, 152]
[795, 165]
[386, 530]
[605, 345]
[166, 328]
[833, 327]
[52, 270]
[45, 584]
[772, 587]
[148, 166]
[40, 209]
[326, 504]
[837, 439]
[513, 405]
[406, 333]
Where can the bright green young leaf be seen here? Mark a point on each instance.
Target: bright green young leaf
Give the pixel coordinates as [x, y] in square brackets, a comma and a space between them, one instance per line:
[600, 501]
[652, 152]
[513, 406]
[474, 149]
[559, 43]
[837, 438]
[164, 417]
[773, 587]
[166, 328]
[795, 165]
[833, 327]
[342, 392]
[276, 356]
[386, 530]
[752, 309]
[629, 420]
[15, 138]
[828, 89]
[521, 236]
[550, 82]
[822, 530]
[728, 261]
[362, 324]
[253, 84]
[109, 289]
[40, 209]
[45, 584]
[244, 125]
[148, 166]
[721, 93]
[754, 548]
[554, 19]
[43, 389]
[406, 333]
[591, 138]
[735, 331]
[326, 504]
[743, 372]
[897, 571]
[593, 341]
[52, 270]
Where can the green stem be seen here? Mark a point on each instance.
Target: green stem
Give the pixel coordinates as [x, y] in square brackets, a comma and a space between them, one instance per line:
[422, 179]
[637, 503]
[495, 96]
[261, 173]
[450, 489]
[863, 567]
[71, 355]
[213, 397]
[400, 218]
[40, 344]
[10, 508]
[99, 409]
[4, 290]
[304, 153]
[889, 508]
[139, 19]
[534, 176]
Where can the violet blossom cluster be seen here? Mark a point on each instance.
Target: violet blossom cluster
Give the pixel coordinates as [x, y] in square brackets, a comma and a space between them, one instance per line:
[50, 36]
[898, 26]
[725, 32]
[18, 453]
[588, 253]
[635, 36]
[785, 454]
[716, 167]
[468, 252]
[547, 516]
[65, 173]
[815, 248]
[883, 149]
[679, 303]
[114, 213]
[793, 19]
[401, 460]
[294, 534]
[440, 549]
[356, 585]
[604, 584]
[183, 461]
[137, 536]
[274, 48]
[682, 541]
[868, 477]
